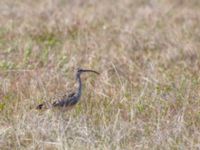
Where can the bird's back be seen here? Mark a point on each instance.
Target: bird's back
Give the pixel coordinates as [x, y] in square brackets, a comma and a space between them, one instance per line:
[67, 100]
[63, 100]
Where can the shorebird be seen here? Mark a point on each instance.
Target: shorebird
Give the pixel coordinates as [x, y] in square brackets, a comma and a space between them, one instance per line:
[71, 99]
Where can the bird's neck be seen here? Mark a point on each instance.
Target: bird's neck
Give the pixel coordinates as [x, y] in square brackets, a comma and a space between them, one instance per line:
[79, 90]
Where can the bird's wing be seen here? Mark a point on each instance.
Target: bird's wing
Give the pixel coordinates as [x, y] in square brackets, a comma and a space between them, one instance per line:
[71, 95]
[59, 98]
[64, 96]
[64, 100]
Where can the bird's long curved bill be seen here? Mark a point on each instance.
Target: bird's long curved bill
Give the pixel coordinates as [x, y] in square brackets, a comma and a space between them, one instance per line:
[91, 71]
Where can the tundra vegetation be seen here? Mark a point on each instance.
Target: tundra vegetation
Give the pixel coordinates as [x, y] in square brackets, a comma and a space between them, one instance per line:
[148, 93]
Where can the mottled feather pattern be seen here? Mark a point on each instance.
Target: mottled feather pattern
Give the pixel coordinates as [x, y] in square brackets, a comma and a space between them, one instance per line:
[67, 100]
[54, 100]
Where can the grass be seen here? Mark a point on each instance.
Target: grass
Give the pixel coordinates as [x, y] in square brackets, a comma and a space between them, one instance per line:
[147, 96]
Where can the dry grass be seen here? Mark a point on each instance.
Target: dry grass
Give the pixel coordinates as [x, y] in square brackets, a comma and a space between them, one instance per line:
[148, 93]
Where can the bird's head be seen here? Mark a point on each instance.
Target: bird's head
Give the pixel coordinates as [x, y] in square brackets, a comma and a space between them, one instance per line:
[80, 71]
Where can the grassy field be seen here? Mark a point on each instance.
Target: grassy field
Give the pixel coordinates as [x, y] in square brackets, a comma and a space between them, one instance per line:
[148, 93]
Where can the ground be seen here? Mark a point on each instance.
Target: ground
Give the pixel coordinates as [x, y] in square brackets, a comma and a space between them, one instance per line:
[146, 97]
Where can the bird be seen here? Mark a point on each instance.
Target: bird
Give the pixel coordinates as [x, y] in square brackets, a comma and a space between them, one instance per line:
[71, 99]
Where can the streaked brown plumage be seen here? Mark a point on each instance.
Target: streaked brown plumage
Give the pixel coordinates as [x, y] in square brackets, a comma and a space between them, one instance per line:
[71, 99]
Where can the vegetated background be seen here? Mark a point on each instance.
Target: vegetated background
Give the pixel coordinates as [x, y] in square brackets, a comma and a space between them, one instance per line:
[148, 93]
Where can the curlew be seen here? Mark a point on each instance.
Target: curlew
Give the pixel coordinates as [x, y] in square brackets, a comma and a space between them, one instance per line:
[71, 99]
